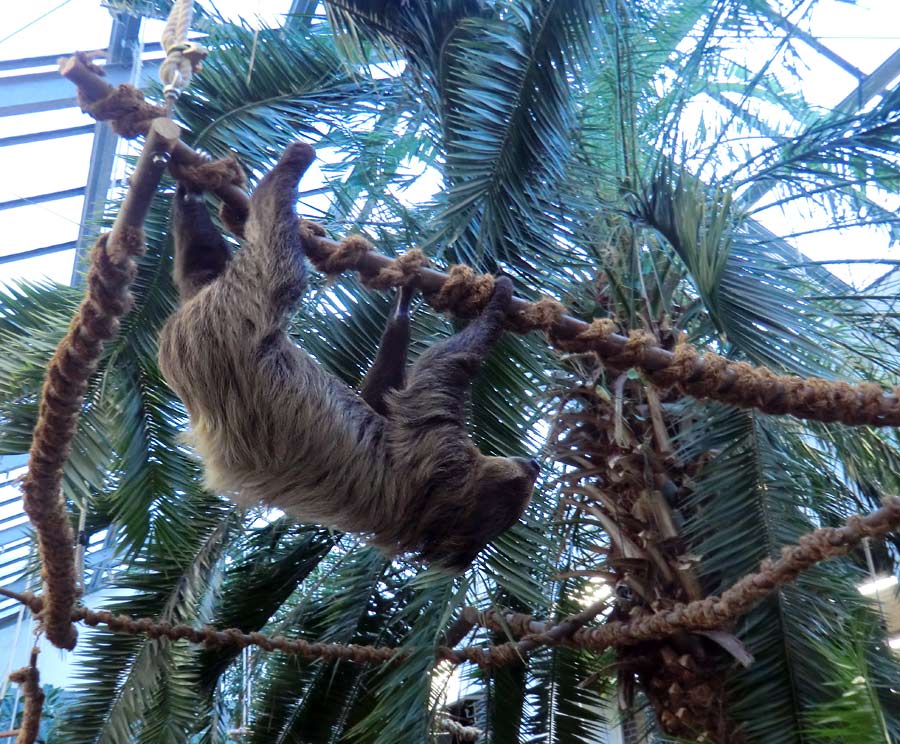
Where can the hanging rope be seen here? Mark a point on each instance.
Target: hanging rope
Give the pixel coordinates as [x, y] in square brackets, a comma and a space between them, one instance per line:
[29, 681]
[183, 57]
[106, 300]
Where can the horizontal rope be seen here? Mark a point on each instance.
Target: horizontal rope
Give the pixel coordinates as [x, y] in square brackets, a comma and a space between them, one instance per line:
[704, 614]
[701, 375]
[464, 292]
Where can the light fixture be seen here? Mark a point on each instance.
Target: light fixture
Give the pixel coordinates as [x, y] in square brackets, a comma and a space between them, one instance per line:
[877, 585]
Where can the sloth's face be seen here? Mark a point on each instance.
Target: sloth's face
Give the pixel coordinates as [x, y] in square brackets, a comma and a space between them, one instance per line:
[502, 490]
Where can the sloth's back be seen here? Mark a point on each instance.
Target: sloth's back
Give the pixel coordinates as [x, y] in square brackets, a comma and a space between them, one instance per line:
[270, 424]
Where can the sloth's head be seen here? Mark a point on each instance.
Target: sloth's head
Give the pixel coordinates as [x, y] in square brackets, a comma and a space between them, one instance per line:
[502, 489]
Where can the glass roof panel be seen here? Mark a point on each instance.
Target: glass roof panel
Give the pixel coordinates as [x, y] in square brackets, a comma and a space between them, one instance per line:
[850, 39]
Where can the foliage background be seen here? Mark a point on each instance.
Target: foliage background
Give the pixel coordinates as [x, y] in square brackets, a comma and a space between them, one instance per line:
[567, 149]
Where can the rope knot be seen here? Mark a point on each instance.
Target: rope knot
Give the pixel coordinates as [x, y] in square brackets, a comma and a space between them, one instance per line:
[400, 273]
[465, 293]
[599, 330]
[183, 57]
[345, 256]
[125, 109]
[210, 175]
[543, 314]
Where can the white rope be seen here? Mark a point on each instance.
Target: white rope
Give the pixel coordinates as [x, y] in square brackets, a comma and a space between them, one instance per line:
[183, 57]
[456, 729]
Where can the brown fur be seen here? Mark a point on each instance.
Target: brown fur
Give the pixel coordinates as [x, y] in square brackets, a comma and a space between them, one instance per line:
[274, 426]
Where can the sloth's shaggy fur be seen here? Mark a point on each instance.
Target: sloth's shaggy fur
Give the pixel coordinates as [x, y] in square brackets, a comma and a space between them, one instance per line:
[394, 463]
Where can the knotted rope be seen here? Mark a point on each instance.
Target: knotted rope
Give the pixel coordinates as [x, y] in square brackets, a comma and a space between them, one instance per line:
[709, 613]
[464, 293]
[210, 175]
[702, 375]
[705, 614]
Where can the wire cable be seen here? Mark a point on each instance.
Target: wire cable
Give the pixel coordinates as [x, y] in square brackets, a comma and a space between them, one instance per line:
[36, 20]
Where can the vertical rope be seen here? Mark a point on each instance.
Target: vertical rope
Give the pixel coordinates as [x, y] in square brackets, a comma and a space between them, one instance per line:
[29, 682]
[183, 58]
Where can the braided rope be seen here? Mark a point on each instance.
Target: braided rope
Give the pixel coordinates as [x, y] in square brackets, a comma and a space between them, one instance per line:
[458, 731]
[701, 375]
[107, 299]
[183, 58]
[704, 614]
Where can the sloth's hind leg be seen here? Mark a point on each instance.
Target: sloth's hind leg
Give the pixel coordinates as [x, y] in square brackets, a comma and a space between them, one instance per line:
[273, 249]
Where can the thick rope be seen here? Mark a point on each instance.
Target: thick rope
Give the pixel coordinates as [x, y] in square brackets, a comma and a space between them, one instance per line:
[701, 375]
[705, 614]
[29, 681]
[107, 299]
[210, 175]
[708, 375]
[183, 58]
[124, 108]
[456, 730]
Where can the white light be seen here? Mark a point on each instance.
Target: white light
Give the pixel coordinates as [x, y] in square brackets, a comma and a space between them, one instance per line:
[594, 592]
[894, 642]
[878, 585]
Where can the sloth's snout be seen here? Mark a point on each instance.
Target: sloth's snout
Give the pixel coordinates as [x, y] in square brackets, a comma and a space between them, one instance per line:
[532, 466]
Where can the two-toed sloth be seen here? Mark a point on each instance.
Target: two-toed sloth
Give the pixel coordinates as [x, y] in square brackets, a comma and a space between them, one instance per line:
[393, 462]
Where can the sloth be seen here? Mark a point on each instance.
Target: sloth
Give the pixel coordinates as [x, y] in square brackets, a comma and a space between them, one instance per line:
[393, 462]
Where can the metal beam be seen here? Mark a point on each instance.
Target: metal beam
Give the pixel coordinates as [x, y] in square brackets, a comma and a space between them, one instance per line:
[41, 198]
[16, 532]
[812, 42]
[51, 134]
[873, 85]
[124, 50]
[52, 59]
[11, 462]
[47, 91]
[35, 252]
[300, 13]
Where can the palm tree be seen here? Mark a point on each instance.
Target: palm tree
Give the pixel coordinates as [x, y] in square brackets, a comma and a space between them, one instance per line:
[570, 154]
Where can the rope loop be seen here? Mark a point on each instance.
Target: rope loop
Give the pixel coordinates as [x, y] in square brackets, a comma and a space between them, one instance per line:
[183, 58]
